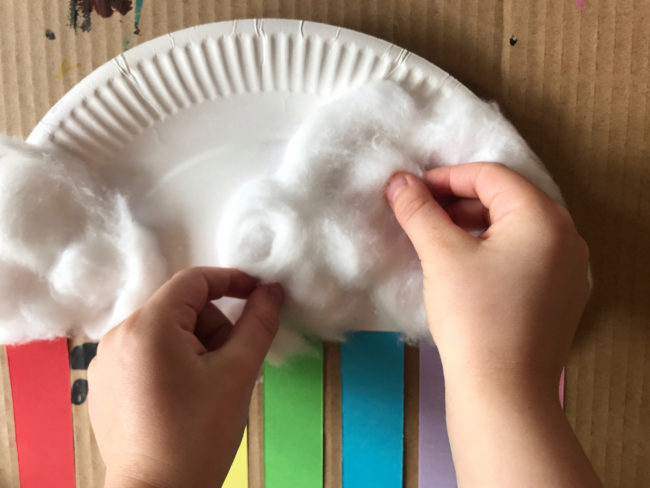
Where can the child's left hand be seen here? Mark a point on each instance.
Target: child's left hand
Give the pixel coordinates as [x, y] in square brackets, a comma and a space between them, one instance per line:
[170, 386]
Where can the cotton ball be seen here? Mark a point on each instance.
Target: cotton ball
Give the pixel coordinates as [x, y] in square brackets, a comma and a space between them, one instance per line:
[87, 272]
[39, 317]
[320, 152]
[321, 226]
[72, 259]
[15, 280]
[398, 298]
[341, 254]
[143, 268]
[288, 342]
[26, 309]
[41, 210]
[261, 232]
[444, 139]
[317, 302]
[358, 225]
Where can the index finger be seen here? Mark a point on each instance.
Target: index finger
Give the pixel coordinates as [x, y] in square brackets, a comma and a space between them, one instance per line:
[500, 189]
[192, 288]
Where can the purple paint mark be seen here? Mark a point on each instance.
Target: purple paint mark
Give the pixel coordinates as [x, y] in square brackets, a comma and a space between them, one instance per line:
[436, 467]
[104, 8]
[580, 4]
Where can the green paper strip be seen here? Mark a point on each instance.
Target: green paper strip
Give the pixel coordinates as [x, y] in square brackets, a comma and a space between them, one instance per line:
[293, 422]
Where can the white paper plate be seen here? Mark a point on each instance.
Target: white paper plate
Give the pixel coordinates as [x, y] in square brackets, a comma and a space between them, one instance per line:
[180, 121]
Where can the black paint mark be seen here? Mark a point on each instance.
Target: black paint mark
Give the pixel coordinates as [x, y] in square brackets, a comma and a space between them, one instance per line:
[80, 356]
[513, 40]
[79, 392]
[86, 24]
[49, 34]
[73, 14]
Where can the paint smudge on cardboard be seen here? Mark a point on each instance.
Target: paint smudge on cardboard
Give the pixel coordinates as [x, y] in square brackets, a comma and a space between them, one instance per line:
[580, 4]
[79, 392]
[80, 356]
[104, 8]
[50, 35]
[138, 13]
[513, 40]
[66, 68]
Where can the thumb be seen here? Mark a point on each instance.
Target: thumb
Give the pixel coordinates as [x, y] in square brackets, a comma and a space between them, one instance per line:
[253, 333]
[422, 218]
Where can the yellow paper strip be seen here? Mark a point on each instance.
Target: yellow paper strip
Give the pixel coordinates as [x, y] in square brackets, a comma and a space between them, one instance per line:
[238, 474]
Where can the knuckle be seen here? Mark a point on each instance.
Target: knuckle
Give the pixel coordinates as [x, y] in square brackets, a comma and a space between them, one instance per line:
[562, 215]
[268, 321]
[410, 205]
[491, 169]
[184, 274]
[125, 335]
[496, 166]
[266, 317]
[558, 221]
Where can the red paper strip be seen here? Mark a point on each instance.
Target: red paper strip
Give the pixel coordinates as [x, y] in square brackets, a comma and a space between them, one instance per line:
[40, 387]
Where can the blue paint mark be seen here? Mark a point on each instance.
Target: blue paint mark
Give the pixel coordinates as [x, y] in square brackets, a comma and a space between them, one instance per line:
[138, 13]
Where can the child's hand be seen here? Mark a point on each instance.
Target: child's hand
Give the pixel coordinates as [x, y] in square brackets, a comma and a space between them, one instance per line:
[170, 386]
[503, 309]
[508, 301]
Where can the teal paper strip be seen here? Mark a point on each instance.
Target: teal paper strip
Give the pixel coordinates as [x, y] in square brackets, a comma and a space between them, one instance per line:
[293, 423]
[372, 410]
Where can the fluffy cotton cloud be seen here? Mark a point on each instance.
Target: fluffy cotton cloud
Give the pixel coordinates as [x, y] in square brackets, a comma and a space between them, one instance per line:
[320, 224]
[72, 259]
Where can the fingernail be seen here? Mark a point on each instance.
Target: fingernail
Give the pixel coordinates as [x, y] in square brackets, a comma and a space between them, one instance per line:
[396, 183]
[275, 293]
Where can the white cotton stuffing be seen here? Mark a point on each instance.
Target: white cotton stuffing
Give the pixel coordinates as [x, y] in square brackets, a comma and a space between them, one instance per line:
[72, 259]
[321, 226]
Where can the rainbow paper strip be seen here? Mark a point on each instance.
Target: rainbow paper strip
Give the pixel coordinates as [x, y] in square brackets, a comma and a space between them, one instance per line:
[372, 410]
[238, 474]
[436, 467]
[40, 387]
[293, 423]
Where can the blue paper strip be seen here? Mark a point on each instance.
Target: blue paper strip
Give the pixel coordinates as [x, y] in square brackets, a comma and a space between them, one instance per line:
[372, 410]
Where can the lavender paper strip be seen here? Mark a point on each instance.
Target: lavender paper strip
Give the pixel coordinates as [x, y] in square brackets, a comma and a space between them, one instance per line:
[436, 468]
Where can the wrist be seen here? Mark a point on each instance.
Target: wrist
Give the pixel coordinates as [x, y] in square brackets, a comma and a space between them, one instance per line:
[504, 383]
[144, 472]
[122, 480]
[147, 472]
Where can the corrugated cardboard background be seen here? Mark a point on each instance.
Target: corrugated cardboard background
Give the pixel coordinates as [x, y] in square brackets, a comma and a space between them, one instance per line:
[575, 83]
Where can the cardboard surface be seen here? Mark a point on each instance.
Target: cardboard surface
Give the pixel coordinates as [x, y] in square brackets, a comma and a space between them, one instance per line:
[572, 76]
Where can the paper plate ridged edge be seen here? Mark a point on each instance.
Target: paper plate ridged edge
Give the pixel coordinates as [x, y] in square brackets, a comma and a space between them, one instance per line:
[155, 80]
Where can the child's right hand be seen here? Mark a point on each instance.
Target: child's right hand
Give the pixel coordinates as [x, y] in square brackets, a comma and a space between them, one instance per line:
[508, 301]
[503, 309]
